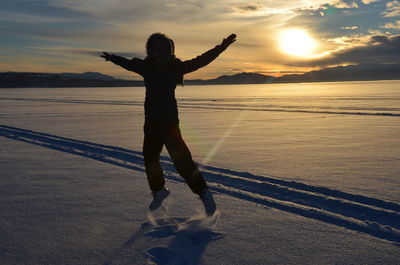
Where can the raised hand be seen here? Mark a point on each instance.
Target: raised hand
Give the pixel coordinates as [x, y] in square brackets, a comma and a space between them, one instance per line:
[228, 40]
[106, 56]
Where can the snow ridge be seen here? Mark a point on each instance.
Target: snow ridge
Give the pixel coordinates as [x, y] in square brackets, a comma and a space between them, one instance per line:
[375, 217]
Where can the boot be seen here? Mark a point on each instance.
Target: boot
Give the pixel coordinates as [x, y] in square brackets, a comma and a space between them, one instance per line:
[158, 198]
[208, 202]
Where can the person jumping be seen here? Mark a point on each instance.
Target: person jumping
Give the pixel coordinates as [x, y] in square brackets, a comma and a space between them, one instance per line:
[161, 72]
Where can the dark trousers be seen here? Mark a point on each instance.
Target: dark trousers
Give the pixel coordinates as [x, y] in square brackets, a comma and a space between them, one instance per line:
[158, 133]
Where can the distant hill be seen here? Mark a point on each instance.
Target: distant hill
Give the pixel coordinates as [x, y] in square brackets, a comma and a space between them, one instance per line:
[361, 72]
[92, 79]
[88, 79]
[88, 75]
[241, 78]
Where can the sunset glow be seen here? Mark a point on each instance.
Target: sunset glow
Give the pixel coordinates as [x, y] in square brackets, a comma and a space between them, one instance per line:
[273, 37]
[297, 42]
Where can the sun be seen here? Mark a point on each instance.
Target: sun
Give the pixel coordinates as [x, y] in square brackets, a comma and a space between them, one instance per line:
[297, 42]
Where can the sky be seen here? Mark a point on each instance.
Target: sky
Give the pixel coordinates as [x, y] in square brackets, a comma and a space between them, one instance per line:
[68, 35]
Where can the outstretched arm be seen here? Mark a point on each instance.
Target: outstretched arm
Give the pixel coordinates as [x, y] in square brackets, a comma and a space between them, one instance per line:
[207, 57]
[135, 65]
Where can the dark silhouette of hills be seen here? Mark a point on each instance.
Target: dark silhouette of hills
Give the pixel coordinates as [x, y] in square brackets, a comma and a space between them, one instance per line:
[88, 79]
[241, 78]
[362, 72]
[88, 75]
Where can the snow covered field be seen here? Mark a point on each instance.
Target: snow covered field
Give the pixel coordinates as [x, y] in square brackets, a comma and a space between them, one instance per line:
[303, 174]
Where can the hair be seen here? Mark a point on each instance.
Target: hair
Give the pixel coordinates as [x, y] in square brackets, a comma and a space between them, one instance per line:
[166, 42]
[159, 38]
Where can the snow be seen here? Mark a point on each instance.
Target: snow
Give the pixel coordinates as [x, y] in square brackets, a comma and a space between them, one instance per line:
[292, 187]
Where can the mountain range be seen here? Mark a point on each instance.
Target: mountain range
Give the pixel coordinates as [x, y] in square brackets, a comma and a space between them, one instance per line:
[361, 72]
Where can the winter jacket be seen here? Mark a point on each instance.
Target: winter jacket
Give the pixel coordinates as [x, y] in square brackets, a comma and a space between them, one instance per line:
[161, 80]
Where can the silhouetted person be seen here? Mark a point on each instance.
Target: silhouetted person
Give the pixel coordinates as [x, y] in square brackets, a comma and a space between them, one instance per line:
[162, 71]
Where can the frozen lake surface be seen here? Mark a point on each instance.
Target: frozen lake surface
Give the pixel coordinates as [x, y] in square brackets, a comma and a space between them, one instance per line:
[342, 135]
[307, 173]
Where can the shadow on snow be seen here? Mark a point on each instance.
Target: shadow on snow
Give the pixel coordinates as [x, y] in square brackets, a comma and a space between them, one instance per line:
[186, 243]
[364, 214]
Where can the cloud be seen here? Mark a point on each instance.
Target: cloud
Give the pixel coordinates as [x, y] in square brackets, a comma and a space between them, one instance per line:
[189, 10]
[82, 51]
[393, 9]
[281, 72]
[62, 33]
[254, 9]
[29, 18]
[84, 28]
[392, 25]
[350, 28]
[90, 52]
[250, 7]
[366, 2]
[102, 7]
[342, 4]
[139, 10]
[378, 49]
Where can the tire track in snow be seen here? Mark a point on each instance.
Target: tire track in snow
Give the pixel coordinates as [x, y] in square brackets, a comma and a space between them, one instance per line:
[359, 213]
